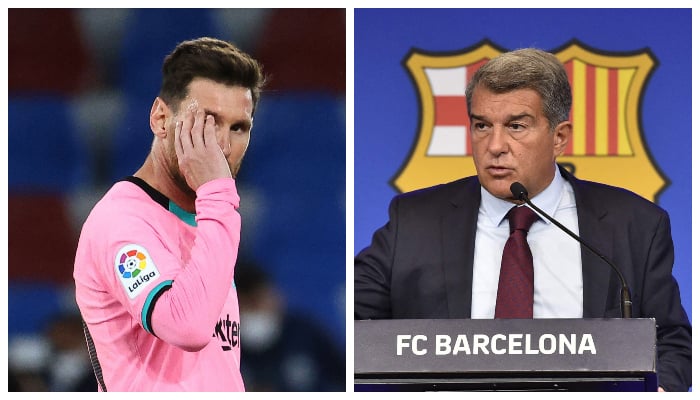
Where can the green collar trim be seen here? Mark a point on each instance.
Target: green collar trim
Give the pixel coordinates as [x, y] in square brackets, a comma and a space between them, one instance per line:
[184, 216]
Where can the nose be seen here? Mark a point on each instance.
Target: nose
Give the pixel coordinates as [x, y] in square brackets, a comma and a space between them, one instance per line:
[224, 140]
[498, 141]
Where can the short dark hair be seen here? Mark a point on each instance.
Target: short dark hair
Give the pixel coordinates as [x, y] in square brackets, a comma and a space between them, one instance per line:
[208, 58]
[527, 69]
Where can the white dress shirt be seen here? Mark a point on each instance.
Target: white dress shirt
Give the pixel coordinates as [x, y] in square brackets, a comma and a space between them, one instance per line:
[556, 256]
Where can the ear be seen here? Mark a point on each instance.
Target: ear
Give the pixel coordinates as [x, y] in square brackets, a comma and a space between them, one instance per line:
[159, 117]
[562, 135]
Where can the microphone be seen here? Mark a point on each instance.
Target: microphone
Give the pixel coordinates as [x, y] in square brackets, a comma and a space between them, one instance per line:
[520, 193]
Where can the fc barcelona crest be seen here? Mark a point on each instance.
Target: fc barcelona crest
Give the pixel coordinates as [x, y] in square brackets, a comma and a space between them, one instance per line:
[607, 144]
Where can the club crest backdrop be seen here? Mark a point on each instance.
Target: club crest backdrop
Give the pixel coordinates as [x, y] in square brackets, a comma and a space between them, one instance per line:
[630, 73]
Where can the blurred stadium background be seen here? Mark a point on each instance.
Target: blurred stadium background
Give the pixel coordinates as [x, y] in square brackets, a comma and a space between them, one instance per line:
[81, 82]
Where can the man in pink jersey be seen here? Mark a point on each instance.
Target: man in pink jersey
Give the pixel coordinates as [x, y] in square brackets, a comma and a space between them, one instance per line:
[155, 261]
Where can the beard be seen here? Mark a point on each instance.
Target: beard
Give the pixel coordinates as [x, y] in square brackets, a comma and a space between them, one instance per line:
[174, 172]
[235, 168]
[177, 177]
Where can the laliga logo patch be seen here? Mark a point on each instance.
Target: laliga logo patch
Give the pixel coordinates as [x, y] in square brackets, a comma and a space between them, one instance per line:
[134, 268]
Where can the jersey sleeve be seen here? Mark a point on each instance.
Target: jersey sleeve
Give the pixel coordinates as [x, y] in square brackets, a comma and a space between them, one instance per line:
[177, 300]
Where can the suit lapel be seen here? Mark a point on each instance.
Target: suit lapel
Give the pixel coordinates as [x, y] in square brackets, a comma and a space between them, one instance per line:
[458, 230]
[592, 230]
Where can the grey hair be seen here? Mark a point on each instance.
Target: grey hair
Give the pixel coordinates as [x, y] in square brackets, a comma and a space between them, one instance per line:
[527, 69]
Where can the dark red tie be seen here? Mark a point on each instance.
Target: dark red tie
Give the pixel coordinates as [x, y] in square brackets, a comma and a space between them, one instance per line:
[516, 284]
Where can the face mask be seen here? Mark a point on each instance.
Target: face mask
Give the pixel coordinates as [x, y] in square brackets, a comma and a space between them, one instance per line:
[68, 368]
[259, 330]
[30, 353]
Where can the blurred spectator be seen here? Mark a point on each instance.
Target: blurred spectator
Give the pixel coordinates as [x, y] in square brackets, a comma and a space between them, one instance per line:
[13, 384]
[56, 360]
[70, 369]
[28, 356]
[282, 350]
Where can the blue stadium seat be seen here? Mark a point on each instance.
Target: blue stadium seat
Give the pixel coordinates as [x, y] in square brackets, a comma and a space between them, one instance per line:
[132, 139]
[31, 305]
[46, 153]
[150, 34]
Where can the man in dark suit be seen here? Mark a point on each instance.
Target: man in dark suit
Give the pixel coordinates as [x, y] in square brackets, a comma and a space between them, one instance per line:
[439, 255]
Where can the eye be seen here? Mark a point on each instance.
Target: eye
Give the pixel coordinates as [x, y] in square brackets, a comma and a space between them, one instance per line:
[239, 128]
[516, 126]
[479, 126]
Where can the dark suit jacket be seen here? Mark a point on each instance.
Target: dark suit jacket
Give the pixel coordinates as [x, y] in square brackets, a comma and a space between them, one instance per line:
[419, 265]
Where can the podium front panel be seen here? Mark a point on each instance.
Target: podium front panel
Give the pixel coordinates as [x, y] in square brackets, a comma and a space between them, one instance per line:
[424, 351]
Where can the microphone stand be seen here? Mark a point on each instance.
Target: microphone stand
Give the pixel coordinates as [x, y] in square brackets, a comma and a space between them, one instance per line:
[520, 193]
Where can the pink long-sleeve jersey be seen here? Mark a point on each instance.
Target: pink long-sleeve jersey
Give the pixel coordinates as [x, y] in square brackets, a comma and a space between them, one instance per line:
[155, 288]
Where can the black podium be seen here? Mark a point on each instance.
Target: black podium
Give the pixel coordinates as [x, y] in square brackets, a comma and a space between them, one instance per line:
[506, 354]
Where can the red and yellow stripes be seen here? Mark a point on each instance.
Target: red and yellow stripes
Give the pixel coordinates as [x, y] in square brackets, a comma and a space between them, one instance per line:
[597, 116]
